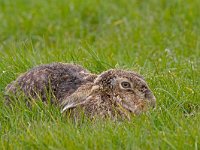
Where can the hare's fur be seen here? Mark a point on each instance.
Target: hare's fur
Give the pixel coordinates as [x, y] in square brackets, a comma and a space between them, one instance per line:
[54, 81]
[112, 93]
[106, 97]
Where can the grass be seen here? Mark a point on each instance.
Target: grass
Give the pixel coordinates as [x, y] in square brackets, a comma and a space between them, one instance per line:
[158, 39]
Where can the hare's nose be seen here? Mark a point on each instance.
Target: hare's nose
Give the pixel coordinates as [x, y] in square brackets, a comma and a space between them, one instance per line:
[149, 95]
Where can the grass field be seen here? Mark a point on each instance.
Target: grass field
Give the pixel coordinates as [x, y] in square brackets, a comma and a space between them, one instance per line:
[160, 39]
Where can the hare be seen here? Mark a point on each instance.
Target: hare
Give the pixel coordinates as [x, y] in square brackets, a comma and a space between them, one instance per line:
[50, 81]
[113, 93]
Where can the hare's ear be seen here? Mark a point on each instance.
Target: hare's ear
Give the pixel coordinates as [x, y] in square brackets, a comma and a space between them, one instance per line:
[76, 99]
[103, 76]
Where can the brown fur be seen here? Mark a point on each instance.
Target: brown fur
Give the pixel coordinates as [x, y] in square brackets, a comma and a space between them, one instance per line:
[56, 80]
[106, 97]
[113, 93]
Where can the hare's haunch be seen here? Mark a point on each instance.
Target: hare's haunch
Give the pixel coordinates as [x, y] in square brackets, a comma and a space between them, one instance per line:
[54, 81]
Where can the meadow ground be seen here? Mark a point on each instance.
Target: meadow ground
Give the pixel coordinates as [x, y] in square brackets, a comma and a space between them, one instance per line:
[160, 39]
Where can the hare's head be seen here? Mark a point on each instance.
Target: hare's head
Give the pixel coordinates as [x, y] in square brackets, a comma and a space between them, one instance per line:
[127, 88]
[113, 88]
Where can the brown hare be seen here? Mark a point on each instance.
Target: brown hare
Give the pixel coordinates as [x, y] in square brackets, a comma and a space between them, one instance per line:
[49, 82]
[113, 93]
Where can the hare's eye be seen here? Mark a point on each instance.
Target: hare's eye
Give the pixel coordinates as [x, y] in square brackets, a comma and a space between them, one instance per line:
[126, 84]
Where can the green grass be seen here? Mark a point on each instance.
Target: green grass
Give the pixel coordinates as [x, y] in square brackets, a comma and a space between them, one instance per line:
[160, 39]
